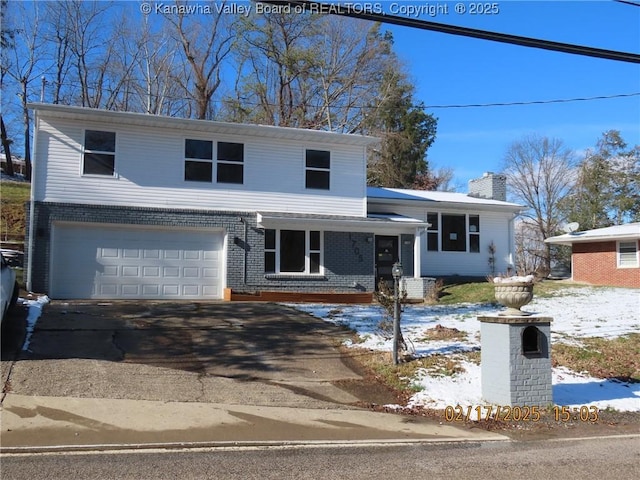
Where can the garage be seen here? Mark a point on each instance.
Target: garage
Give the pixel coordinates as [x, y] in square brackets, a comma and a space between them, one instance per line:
[120, 262]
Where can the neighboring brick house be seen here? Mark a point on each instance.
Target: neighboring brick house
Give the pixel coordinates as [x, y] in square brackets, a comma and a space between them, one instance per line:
[604, 256]
[136, 206]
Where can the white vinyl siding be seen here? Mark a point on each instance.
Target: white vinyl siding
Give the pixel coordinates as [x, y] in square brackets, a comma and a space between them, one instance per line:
[494, 227]
[152, 173]
[97, 261]
[628, 254]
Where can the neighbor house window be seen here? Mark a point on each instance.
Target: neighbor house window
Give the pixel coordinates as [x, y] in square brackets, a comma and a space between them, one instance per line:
[292, 251]
[317, 169]
[454, 233]
[432, 232]
[230, 162]
[99, 153]
[628, 254]
[474, 233]
[198, 164]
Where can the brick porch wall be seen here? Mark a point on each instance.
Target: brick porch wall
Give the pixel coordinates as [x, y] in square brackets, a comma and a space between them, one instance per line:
[597, 263]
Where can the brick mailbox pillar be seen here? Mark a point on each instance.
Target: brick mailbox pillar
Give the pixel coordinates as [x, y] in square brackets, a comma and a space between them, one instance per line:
[515, 360]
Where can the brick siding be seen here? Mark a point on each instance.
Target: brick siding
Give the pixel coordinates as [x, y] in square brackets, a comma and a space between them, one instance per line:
[348, 257]
[508, 375]
[597, 263]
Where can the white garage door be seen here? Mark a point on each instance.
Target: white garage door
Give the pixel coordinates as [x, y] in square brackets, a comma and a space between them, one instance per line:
[137, 263]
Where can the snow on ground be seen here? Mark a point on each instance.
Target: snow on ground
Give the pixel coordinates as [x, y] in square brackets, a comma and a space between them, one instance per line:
[577, 312]
[35, 310]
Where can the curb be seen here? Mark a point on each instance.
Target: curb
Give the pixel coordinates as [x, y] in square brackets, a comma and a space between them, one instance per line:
[235, 445]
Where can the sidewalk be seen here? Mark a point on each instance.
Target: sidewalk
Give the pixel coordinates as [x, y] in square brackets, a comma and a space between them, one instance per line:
[35, 423]
[116, 374]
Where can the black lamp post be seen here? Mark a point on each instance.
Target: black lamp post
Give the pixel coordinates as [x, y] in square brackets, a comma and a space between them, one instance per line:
[396, 272]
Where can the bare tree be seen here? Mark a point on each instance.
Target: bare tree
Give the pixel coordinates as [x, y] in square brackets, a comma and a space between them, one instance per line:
[91, 48]
[276, 59]
[352, 63]
[540, 173]
[57, 34]
[311, 72]
[157, 70]
[7, 41]
[205, 42]
[440, 179]
[23, 64]
[530, 247]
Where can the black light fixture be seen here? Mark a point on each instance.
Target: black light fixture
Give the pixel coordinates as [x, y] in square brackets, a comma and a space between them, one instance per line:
[397, 271]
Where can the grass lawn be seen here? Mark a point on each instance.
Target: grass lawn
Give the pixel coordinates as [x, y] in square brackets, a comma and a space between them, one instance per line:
[483, 292]
[601, 358]
[13, 196]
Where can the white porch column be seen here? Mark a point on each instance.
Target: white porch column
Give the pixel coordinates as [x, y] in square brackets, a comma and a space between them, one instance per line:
[417, 260]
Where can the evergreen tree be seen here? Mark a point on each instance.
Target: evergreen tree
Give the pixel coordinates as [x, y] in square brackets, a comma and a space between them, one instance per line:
[607, 189]
[407, 132]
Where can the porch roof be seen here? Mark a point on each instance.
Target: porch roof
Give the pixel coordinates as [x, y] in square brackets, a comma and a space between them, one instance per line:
[374, 222]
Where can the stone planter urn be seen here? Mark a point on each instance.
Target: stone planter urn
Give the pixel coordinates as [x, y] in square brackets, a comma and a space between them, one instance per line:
[514, 293]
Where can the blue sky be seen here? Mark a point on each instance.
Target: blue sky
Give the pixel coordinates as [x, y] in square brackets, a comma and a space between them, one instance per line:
[450, 70]
[454, 70]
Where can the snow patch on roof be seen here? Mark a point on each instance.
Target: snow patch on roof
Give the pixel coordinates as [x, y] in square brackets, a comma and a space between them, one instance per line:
[431, 196]
[628, 231]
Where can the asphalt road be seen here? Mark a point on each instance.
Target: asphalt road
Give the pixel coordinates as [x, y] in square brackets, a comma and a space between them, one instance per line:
[590, 459]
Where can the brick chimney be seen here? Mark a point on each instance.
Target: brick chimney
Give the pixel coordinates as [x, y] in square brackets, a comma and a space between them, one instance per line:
[490, 185]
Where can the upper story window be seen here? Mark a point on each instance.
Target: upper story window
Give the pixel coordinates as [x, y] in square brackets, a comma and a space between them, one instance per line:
[292, 251]
[230, 162]
[198, 164]
[99, 153]
[317, 169]
[628, 254]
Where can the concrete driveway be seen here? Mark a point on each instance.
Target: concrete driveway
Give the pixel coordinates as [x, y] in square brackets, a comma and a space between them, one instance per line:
[230, 353]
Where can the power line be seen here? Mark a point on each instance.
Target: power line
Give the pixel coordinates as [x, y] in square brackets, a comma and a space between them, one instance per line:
[221, 101]
[353, 12]
[536, 102]
[626, 2]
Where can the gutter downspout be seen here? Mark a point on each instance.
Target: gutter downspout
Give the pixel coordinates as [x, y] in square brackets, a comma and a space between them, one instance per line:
[34, 176]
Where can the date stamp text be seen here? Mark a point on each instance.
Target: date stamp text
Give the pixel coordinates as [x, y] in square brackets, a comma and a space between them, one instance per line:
[506, 413]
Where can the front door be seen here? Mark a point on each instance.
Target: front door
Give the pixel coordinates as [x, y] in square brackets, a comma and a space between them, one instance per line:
[386, 256]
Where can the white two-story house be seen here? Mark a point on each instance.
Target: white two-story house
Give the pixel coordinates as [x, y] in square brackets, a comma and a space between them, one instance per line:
[127, 205]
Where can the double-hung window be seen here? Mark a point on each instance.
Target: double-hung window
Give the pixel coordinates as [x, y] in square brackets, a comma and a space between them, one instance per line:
[317, 169]
[99, 156]
[432, 232]
[198, 164]
[474, 233]
[628, 254]
[230, 162]
[292, 251]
